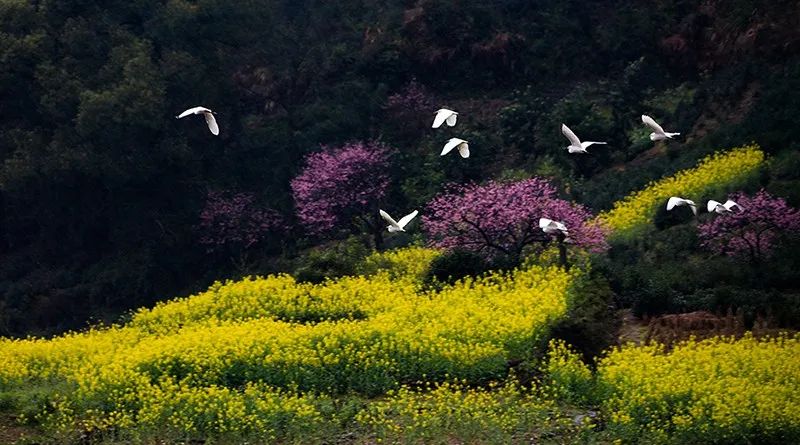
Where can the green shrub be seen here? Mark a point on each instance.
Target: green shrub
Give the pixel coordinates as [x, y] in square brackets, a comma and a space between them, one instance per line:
[332, 260]
[566, 377]
[592, 321]
[454, 265]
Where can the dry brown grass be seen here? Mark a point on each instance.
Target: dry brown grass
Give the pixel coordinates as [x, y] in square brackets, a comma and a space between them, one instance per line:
[673, 328]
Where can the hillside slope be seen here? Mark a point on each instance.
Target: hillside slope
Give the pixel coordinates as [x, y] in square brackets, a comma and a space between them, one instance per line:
[101, 189]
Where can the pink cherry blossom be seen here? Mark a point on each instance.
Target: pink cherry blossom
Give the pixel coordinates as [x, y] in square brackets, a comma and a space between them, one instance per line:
[339, 184]
[502, 218]
[754, 231]
[412, 98]
[233, 219]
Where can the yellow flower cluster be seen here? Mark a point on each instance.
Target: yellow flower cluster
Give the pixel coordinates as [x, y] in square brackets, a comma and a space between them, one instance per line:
[410, 263]
[566, 377]
[276, 298]
[42, 360]
[713, 391]
[390, 274]
[355, 334]
[496, 414]
[171, 408]
[722, 169]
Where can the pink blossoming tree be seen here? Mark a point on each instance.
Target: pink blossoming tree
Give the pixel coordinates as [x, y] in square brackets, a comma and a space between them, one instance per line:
[411, 109]
[412, 98]
[234, 222]
[502, 218]
[753, 232]
[342, 187]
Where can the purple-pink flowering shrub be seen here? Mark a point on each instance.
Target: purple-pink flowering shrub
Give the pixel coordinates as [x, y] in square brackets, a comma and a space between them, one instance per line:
[502, 218]
[339, 185]
[754, 231]
[234, 220]
[412, 98]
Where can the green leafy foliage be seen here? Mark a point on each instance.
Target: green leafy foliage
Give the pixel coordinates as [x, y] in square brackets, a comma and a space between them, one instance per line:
[100, 188]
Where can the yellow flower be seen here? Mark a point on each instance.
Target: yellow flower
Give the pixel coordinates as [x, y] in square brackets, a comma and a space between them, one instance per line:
[722, 169]
[709, 389]
[186, 363]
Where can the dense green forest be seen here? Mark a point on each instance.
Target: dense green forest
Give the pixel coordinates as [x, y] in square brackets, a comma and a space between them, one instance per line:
[101, 188]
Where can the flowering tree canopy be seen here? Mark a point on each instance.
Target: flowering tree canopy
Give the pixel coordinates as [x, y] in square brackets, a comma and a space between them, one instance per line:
[233, 219]
[753, 231]
[413, 98]
[338, 185]
[503, 218]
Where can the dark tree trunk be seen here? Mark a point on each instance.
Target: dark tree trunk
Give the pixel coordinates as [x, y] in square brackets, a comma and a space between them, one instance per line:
[758, 269]
[377, 232]
[562, 252]
[4, 244]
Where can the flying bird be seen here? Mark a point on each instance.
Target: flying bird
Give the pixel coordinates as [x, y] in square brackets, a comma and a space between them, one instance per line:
[575, 144]
[398, 226]
[658, 134]
[444, 115]
[209, 115]
[717, 207]
[677, 202]
[551, 227]
[463, 147]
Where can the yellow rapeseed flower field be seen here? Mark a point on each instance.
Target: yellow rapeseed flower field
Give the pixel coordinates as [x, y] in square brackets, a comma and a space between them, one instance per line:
[272, 358]
[223, 360]
[499, 413]
[712, 391]
[723, 169]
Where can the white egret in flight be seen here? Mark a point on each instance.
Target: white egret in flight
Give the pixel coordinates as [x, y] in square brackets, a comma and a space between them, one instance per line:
[209, 115]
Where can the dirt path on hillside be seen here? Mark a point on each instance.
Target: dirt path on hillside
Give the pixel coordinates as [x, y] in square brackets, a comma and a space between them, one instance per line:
[633, 329]
[12, 432]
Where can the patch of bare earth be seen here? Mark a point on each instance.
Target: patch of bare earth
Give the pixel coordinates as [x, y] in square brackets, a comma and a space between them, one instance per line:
[671, 329]
[12, 432]
[633, 329]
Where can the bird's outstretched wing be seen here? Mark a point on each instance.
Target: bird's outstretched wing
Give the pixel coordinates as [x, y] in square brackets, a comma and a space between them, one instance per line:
[652, 123]
[192, 110]
[212, 123]
[573, 140]
[673, 202]
[450, 145]
[730, 204]
[463, 150]
[712, 205]
[544, 222]
[586, 144]
[388, 218]
[407, 219]
[451, 121]
[441, 116]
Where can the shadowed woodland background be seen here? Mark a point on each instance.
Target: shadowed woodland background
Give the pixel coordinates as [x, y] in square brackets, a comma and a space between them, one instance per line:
[102, 190]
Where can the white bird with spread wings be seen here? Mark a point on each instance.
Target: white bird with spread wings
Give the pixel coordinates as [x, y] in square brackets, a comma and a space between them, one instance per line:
[444, 115]
[677, 202]
[551, 227]
[718, 207]
[209, 115]
[461, 144]
[575, 144]
[658, 133]
[398, 226]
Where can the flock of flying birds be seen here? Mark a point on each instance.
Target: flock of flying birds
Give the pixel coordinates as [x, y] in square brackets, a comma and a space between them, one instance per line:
[548, 226]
